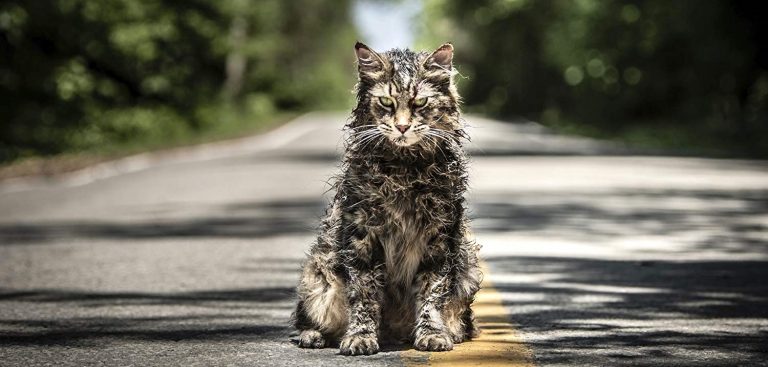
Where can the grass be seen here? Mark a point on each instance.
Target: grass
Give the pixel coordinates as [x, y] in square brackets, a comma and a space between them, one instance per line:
[671, 138]
[231, 127]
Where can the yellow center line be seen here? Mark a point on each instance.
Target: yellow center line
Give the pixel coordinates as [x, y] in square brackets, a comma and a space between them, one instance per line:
[499, 344]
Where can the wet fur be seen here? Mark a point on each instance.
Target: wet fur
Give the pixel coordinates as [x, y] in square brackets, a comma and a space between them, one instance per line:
[392, 261]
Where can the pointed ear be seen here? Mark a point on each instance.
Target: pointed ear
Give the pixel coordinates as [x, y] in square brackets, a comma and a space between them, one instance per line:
[442, 58]
[368, 61]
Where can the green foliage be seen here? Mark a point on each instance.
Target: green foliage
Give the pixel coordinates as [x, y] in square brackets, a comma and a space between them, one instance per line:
[82, 74]
[654, 71]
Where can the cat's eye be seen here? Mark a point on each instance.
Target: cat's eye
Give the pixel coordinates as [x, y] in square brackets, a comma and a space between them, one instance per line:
[386, 101]
[420, 102]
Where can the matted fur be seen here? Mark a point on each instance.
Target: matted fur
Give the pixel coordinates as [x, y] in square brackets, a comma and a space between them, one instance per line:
[393, 261]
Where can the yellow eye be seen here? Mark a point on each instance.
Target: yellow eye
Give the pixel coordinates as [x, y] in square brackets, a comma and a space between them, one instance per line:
[386, 101]
[420, 102]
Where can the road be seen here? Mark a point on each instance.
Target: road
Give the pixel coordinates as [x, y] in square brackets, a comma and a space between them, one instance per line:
[599, 257]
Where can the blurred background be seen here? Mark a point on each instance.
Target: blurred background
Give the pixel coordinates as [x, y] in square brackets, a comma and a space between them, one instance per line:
[82, 78]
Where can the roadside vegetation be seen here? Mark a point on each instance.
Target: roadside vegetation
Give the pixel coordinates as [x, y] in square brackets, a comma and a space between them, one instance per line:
[86, 81]
[685, 76]
[94, 79]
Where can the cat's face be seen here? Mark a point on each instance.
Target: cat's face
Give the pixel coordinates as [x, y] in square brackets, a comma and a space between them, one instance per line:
[409, 97]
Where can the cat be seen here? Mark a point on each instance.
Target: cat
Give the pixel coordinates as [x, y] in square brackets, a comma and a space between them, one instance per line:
[393, 261]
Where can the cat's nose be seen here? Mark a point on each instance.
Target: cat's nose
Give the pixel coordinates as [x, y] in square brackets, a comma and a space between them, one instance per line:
[402, 128]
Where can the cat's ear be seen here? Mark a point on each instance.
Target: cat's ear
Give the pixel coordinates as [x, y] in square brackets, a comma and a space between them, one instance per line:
[442, 58]
[368, 61]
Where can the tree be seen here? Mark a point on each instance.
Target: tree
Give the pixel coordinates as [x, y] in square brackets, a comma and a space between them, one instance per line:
[686, 72]
[78, 74]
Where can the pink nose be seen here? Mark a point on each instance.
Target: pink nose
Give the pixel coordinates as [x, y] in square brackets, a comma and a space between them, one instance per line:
[402, 128]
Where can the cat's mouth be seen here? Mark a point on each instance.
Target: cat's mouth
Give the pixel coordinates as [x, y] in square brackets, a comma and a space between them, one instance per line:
[401, 141]
[404, 141]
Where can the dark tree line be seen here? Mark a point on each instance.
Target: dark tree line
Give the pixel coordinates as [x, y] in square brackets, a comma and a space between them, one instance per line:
[77, 74]
[689, 73]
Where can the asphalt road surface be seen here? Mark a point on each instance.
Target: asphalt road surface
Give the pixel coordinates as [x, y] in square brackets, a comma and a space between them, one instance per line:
[601, 258]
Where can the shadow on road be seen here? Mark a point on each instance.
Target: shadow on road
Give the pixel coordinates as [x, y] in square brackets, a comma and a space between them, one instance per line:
[134, 298]
[728, 221]
[237, 314]
[241, 220]
[701, 301]
[601, 312]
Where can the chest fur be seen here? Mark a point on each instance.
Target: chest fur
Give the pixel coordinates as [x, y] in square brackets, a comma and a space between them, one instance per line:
[404, 239]
[404, 208]
[411, 220]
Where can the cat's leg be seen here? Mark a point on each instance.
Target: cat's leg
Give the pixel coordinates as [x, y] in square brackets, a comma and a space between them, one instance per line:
[459, 320]
[446, 285]
[432, 286]
[458, 315]
[321, 313]
[364, 316]
[309, 336]
[471, 330]
[362, 259]
[312, 338]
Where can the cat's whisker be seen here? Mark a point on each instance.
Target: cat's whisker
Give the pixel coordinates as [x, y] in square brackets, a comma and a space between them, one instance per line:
[377, 143]
[447, 135]
[366, 142]
[374, 142]
[362, 143]
[362, 126]
[357, 134]
[429, 142]
[367, 139]
[437, 135]
[366, 131]
[368, 135]
[436, 144]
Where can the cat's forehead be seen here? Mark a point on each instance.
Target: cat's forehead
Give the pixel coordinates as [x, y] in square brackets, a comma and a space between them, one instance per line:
[403, 72]
[405, 66]
[405, 61]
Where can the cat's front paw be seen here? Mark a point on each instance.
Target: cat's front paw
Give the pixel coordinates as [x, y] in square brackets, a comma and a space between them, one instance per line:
[311, 339]
[433, 342]
[357, 344]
